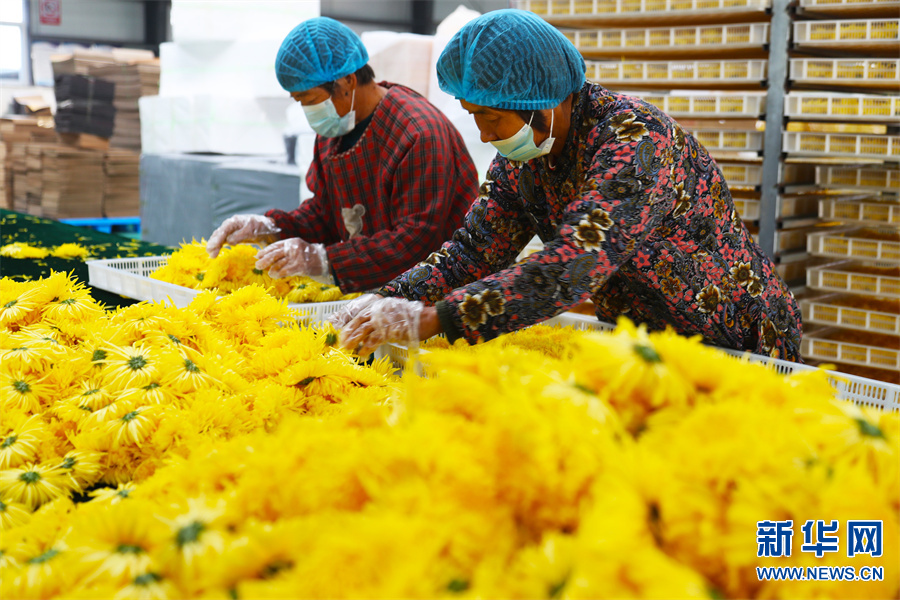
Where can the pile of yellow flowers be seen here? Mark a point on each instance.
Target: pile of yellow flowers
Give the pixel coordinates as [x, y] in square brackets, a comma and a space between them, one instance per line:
[235, 267]
[621, 465]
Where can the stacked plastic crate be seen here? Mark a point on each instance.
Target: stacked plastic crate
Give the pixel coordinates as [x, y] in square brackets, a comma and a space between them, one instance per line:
[843, 114]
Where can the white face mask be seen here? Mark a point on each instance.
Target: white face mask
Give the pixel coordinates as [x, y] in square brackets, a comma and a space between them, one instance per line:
[521, 147]
[325, 120]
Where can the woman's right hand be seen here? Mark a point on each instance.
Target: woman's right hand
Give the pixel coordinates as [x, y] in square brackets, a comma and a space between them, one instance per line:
[352, 309]
[241, 228]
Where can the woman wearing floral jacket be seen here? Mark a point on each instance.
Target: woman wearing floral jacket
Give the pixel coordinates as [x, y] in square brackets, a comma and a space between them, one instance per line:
[633, 213]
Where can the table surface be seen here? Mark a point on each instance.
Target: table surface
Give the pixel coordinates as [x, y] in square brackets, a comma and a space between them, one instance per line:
[47, 233]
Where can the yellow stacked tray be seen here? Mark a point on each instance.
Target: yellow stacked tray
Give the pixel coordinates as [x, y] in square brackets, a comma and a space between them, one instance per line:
[870, 212]
[708, 106]
[834, 107]
[864, 243]
[875, 37]
[841, 145]
[862, 178]
[722, 41]
[606, 13]
[881, 74]
[852, 312]
[690, 74]
[856, 277]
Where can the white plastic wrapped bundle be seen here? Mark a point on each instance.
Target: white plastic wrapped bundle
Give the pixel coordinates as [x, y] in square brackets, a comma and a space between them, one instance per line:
[213, 123]
[482, 154]
[403, 58]
[238, 20]
[243, 68]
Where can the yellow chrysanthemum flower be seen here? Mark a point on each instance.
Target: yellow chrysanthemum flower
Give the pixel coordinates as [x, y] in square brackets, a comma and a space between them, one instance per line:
[70, 250]
[33, 484]
[22, 250]
[130, 366]
[12, 514]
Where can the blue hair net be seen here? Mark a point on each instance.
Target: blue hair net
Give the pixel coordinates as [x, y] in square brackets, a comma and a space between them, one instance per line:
[510, 59]
[318, 51]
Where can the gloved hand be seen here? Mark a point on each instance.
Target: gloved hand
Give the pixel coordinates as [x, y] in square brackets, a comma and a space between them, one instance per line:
[343, 316]
[293, 256]
[241, 228]
[385, 320]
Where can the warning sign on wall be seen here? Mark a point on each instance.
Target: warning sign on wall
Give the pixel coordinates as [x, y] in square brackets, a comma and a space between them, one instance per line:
[50, 12]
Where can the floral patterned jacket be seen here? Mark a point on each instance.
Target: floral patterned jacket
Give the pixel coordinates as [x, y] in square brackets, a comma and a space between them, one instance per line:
[635, 216]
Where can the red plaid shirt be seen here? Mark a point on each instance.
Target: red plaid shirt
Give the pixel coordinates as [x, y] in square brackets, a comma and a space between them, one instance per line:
[411, 174]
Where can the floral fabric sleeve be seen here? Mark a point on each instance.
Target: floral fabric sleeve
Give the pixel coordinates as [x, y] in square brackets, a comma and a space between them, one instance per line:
[495, 231]
[627, 189]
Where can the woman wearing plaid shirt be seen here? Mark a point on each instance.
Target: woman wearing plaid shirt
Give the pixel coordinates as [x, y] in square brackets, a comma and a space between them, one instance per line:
[391, 177]
[633, 212]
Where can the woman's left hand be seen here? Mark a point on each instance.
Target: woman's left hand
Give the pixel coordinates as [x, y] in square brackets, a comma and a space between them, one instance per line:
[389, 320]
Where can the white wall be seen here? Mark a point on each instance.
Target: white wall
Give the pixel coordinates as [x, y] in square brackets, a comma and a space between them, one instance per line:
[101, 20]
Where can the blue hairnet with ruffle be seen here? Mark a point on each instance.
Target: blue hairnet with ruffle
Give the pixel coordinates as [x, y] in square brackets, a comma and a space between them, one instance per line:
[510, 59]
[318, 51]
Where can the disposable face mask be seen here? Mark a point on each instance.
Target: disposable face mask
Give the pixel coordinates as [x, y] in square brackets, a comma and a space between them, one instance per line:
[325, 120]
[521, 146]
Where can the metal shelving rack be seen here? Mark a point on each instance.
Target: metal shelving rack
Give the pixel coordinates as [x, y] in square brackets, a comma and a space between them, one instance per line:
[842, 113]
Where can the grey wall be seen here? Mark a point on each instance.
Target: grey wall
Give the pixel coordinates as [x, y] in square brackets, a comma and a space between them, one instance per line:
[396, 15]
[93, 20]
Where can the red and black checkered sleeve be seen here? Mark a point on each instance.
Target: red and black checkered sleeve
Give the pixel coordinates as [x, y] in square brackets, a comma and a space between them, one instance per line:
[424, 194]
[311, 221]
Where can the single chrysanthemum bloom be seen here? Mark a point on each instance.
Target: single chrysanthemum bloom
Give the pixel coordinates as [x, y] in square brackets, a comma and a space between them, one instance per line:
[150, 585]
[12, 514]
[34, 484]
[19, 390]
[115, 542]
[197, 531]
[70, 251]
[17, 302]
[154, 393]
[130, 367]
[92, 395]
[186, 372]
[113, 495]
[131, 427]
[21, 444]
[23, 250]
[29, 356]
[82, 466]
[76, 304]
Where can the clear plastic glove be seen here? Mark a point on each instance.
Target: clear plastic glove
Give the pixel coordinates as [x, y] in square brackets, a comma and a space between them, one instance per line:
[241, 228]
[385, 320]
[341, 317]
[293, 256]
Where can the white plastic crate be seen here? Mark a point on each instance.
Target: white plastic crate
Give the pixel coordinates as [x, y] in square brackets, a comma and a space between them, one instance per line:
[856, 243]
[847, 72]
[855, 277]
[833, 310]
[683, 74]
[827, 345]
[840, 107]
[866, 33]
[729, 141]
[877, 213]
[884, 147]
[719, 106]
[860, 390]
[621, 42]
[550, 8]
[741, 174]
[747, 209]
[130, 277]
[859, 177]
